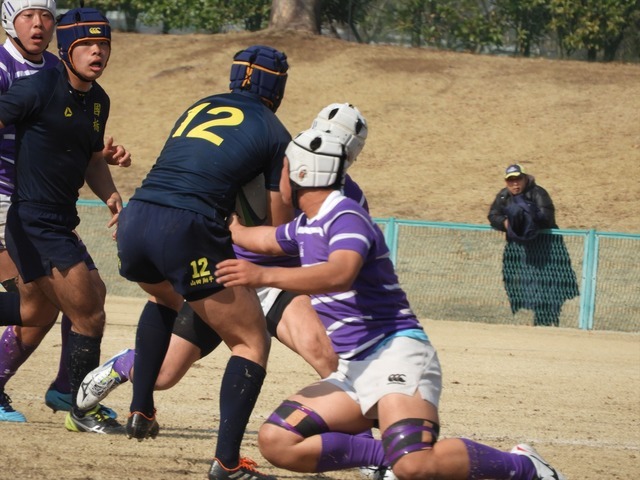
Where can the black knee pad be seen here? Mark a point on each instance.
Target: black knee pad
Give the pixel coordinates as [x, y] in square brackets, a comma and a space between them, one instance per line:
[193, 329]
[11, 285]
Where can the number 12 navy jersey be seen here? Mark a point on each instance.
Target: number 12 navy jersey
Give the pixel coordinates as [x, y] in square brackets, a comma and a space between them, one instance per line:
[217, 145]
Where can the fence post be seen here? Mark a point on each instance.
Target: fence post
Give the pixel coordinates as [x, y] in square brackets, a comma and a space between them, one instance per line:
[587, 296]
[391, 237]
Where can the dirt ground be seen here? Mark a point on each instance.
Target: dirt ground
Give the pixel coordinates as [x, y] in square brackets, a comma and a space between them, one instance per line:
[575, 395]
[443, 127]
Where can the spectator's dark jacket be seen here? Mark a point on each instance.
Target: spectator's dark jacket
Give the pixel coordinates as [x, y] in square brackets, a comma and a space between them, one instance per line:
[536, 270]
[528, 212]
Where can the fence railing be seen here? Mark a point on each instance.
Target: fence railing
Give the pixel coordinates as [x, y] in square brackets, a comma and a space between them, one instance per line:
[454, 271]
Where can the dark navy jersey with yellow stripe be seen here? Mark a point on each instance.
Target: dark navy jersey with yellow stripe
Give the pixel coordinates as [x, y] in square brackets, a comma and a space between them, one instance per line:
[57, 132]
[217, 145]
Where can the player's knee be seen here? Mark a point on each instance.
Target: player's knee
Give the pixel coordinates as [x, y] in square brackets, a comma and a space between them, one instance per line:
[288, 425]
[272, 445]
[408, 445]
[99, 285]
[91, 325]
[416, 466]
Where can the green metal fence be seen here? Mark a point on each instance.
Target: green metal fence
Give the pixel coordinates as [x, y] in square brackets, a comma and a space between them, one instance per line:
[454, 271]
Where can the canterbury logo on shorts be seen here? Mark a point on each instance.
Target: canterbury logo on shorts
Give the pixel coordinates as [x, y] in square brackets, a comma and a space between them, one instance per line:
[396, 378]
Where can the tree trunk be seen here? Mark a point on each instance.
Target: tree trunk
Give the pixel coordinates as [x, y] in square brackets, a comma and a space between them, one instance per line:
[611, 47]
[296, 15]
[131, 19]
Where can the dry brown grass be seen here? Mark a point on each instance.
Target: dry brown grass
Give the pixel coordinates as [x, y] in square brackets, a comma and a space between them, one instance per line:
[443, 126]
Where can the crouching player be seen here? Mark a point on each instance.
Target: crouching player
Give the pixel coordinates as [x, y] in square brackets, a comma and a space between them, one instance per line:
[388, 370]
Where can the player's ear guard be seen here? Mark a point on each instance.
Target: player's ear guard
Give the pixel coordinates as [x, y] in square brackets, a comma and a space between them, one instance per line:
[316, 159]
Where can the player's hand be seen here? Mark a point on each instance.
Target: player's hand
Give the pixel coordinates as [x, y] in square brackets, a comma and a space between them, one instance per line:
[234, 224]
[114, 203]
[115, 154]
[239, 273]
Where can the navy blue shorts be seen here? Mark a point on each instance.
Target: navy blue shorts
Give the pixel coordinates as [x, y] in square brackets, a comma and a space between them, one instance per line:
[40, 238]
[158, 243]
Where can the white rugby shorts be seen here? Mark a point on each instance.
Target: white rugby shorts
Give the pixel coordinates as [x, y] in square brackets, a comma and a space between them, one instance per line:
[5, 203]
[403, 365]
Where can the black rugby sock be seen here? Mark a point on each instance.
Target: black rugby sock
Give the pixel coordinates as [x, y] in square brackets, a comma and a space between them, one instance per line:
[84, 356]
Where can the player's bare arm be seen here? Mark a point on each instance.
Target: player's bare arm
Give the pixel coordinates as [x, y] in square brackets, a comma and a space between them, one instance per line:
[335, 275]
[260, 239]
[278, 212]
[99, 180]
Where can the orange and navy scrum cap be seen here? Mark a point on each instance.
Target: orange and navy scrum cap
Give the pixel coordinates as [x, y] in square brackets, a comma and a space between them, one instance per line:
[80, 24]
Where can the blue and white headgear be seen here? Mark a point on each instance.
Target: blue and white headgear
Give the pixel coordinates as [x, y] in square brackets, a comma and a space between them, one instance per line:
[316, 159]
[345, 121]
[11, 9]
[260, 70]
[77, 25]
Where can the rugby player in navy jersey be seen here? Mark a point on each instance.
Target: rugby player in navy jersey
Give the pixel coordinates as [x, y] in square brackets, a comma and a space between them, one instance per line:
[30, 26]
[290, 317]
[173, 231]
[388, 369]
[60, 116]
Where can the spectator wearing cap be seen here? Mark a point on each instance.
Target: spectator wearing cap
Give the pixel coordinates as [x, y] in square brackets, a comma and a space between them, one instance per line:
[537, 270]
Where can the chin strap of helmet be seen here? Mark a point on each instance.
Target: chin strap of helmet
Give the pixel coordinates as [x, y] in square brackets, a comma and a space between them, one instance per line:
[77, 25]
[21, 45]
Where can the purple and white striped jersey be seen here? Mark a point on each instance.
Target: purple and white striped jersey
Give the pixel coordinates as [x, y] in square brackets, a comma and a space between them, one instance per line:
[12, 67]
[375, 307]
[351, 190]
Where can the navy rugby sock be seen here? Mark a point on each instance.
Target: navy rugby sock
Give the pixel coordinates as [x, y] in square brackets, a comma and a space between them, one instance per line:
[10, 309]
[152, 341]
[239, 390]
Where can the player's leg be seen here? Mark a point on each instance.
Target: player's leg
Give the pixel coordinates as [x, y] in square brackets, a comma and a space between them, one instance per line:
[16, 343]
[79, 296]
[191, 339]
[410, 425]
[235, 314]
[299, 328]
[58, 395]
[412, 448]
[60, 389]
[144, 251]
[316, 431]
[153, 337]
[16, 346]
